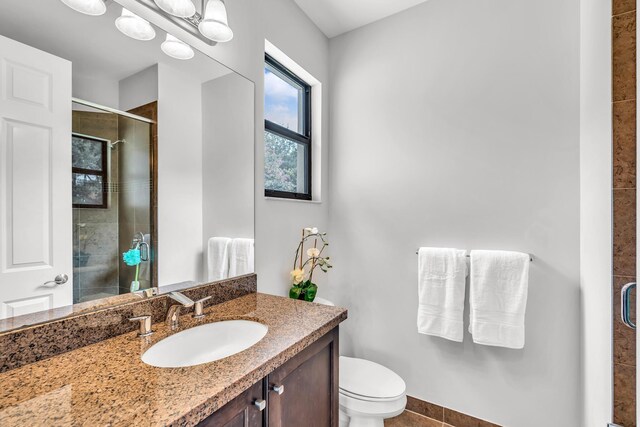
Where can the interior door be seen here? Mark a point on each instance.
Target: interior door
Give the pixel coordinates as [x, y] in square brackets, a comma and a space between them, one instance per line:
[35, 180]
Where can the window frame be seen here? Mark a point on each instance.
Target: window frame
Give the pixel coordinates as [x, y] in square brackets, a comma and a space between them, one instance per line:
[303, 138]
[101, 173]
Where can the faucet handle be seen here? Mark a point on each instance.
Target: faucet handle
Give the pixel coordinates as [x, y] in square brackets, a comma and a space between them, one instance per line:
[181, 298]
[145, 325]
[199, 307]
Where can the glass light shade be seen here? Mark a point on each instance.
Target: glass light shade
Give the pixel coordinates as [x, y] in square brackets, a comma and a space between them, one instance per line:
[214, 25]
[88, 7]
[135, 27]
[176, 48]
[179, 8]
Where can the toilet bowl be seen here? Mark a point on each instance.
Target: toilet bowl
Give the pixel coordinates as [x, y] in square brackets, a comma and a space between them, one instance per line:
[368, 392]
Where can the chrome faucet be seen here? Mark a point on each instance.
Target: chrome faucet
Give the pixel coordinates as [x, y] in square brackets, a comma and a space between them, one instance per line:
[145, 325]
[174, 310]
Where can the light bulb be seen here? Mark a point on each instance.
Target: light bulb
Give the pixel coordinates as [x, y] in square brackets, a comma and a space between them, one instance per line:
[135, 27]
[176, 48]
[179, 8]
[88, 7]
[214, 24]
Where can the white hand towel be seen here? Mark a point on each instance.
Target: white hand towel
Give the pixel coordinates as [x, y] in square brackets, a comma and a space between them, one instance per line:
[441, 282]
[218, 258]
[241, 257]
[498, 297]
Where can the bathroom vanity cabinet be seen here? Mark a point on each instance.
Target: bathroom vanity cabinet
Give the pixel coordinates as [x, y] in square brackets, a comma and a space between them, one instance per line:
[301, 392]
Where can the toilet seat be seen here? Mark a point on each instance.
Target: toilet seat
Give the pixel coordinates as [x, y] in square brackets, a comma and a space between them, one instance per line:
[368, 381]
[369, 398]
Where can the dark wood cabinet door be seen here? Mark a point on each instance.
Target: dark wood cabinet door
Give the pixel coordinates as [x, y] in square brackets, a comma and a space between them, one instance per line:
[309, 395]
[240, 412]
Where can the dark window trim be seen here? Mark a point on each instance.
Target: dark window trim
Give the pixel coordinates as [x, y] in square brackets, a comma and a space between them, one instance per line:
[303, 138]
[102, 173]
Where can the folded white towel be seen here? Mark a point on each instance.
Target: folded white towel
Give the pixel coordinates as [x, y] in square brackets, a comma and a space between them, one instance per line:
[218, 258]
[241, 257]
[441, 282]
[498, 297]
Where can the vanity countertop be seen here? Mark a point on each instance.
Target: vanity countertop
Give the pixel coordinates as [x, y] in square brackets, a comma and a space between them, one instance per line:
[108, 384]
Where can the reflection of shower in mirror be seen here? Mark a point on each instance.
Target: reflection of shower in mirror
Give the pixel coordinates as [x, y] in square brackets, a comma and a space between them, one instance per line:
[113, 144]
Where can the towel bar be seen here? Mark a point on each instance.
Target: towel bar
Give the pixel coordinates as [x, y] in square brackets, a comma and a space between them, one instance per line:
[468, 256]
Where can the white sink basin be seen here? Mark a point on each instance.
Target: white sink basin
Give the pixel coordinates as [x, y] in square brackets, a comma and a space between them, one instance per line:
[205, 343]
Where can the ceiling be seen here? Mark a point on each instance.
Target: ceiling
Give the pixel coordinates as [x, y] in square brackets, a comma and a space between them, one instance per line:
[335, 17]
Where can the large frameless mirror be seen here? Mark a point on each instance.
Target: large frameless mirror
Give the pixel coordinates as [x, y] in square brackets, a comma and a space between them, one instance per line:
[126, 162]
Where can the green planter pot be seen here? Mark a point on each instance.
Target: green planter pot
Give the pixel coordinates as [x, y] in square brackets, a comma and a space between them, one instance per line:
[304, 291]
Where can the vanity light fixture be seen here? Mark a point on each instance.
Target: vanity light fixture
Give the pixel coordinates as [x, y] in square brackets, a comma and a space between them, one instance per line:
[214, 24]
[88, 7]
[176, 48]
[179, 8]
[134, 26]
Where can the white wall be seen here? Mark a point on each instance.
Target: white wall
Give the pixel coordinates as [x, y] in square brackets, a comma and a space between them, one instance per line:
[99, 91]
[180, 182]
[139, 89]
[595, 211]
[278, 223]
[227, 169]
[493, 87]
[456, 124]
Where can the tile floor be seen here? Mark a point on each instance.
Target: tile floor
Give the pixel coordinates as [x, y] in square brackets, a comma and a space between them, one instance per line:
[411, 419]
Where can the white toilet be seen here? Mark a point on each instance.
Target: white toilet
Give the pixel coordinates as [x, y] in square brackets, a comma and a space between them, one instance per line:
[369, 392]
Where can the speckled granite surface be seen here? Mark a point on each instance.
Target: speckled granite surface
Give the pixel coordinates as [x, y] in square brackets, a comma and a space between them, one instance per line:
[33, 343]
[59, 313]
[108, 384]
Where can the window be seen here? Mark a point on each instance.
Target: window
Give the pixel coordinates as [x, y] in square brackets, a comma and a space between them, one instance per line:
[89, 171]
[287, 134]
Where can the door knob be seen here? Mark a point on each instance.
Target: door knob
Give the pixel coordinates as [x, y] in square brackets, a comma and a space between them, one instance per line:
[625, 299]
[60, 279]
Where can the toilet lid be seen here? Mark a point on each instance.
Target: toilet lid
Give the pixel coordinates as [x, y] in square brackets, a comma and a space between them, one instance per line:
[368, 379]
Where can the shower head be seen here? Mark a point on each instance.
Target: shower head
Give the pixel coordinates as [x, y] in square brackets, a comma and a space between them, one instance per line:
[113, 144]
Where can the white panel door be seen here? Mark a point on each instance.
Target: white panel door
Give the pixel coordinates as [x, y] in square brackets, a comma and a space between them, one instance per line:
[35, 180]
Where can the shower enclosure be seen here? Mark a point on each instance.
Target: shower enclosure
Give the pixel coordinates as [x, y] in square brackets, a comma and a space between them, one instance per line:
[113, 199]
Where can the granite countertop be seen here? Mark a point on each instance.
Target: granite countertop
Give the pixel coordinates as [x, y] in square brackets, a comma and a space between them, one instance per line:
[108, 384]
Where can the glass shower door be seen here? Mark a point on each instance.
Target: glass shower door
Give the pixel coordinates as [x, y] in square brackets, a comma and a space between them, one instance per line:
[112, 193]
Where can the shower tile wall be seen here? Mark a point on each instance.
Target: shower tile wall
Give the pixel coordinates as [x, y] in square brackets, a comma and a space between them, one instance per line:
[624, 203]
[95, 231]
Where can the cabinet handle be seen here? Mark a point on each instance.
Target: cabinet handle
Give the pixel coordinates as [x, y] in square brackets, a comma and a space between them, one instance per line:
[260, 403]
[278, 388]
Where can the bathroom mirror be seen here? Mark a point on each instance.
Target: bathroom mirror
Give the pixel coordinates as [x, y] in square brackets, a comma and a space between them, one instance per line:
[111, 144]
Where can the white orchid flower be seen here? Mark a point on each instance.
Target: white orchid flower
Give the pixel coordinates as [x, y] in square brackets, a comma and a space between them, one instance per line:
[313, 252]
[297, 276]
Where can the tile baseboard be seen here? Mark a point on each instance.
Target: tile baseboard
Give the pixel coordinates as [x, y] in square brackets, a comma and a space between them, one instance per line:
[448, 416]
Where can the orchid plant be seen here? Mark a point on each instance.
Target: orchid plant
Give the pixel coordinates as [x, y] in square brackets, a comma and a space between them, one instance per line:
[302, 273]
